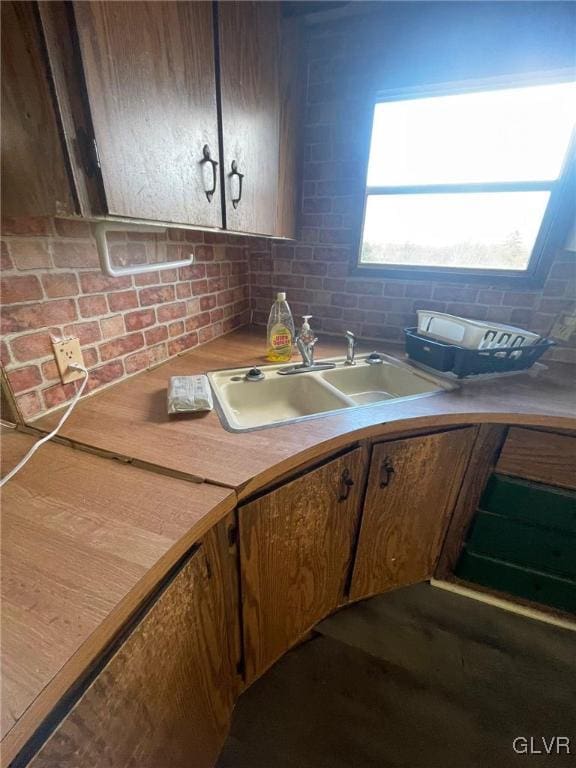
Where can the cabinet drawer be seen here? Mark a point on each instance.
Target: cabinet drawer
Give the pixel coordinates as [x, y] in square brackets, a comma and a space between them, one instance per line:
[541, 456]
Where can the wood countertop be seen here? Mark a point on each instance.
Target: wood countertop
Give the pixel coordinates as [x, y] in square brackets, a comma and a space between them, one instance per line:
[130, 419]
[84, 541]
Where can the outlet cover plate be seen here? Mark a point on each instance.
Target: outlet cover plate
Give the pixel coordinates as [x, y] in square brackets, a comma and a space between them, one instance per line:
[68, 351]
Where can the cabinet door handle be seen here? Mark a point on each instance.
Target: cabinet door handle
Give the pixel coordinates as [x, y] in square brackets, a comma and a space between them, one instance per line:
[236, 172]
[207, 158]
[386, 472]
[346, 484]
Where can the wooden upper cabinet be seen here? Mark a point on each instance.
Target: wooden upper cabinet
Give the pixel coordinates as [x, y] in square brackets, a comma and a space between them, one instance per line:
[296, 546]
[165, 697]
[250, 94]
[34, 171]
[150, 76]
[412, 489]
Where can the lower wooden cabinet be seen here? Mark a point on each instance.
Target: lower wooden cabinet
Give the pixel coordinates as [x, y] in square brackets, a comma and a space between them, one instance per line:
[411, 492]
[296, 546]
[165, 697]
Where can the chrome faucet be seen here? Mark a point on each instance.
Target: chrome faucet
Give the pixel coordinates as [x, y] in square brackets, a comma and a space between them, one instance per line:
[351, 351]
[305, 342]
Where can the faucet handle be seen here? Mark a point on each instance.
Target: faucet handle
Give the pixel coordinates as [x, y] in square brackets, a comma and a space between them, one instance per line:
[350, 336]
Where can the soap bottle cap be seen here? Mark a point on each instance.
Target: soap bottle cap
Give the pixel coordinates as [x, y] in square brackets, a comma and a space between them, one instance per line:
[281, 296]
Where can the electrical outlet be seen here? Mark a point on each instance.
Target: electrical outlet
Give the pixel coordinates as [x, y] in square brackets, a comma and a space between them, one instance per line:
[564, 327]
[68, 351]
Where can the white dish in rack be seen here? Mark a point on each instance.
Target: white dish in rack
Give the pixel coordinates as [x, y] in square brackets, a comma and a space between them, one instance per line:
[472, 334]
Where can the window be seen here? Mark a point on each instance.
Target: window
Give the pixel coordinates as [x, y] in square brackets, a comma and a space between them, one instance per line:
[467, 184]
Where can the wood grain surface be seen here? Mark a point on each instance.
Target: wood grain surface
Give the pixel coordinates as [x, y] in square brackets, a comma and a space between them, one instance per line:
[540, 456]
[130, 420]
[57, 21]
[150, 74]
[165, 697]
[250, 88]
[296, 548]
[84, 540]
[34, 173]
[485, 452]
[403, 523]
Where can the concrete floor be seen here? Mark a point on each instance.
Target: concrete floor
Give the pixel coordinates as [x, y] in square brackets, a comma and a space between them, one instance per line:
[419, 678]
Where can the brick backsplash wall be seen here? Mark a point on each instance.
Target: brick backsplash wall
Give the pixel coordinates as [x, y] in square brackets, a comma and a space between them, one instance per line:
[52, 284]
[346, 63]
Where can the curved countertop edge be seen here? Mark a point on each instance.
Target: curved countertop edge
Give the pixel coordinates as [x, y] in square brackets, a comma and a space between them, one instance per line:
[79, 665]
[387, 431]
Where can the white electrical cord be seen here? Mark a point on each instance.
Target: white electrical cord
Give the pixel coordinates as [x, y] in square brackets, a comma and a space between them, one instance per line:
[32, 451]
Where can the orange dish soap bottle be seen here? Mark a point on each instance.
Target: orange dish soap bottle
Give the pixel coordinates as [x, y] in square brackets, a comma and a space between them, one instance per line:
[280, 332]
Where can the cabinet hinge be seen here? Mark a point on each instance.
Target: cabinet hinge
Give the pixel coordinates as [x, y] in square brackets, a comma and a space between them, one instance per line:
[232, 535]
[96, 154]
[87, 153]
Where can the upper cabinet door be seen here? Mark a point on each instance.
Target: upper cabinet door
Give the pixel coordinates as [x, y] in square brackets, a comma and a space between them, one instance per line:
[250, 92]
[150, 77]
[34, 173]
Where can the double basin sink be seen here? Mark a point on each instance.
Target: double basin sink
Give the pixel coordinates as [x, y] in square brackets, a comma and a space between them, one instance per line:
[252, 402]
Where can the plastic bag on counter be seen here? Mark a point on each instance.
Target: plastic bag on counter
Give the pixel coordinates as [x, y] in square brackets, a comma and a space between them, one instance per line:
[187, 394]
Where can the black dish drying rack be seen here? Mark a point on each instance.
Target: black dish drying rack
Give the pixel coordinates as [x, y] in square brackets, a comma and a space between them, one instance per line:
[462, 362]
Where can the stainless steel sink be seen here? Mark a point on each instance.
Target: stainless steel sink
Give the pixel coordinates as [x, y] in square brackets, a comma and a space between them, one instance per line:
[246, 404]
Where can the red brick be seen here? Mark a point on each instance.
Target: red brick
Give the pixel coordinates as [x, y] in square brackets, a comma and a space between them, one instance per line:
[96, 282]
[148, 278]
[169, 275]
[216, 315]
[112, 326]
[29, 405]
[33, 345]
[197, 321]
[193, 272]
[121, 346]
[72, 228]
[203, 253]
[90, 306]
[87, 333]
[183, 290]
[171, 311]
[5, 260]
[519, 299]
[156, 295]
[213, 285]
[122, 300]
[4, 353]
[60, 284]
[21, 379]
[176, 328]
[206, 334]
[157, 354]
[105, 374]
[30, 254]
[135, 321]
[58, 394]
[181, 344]
[68, 254]
[207, 302]
[156, 335]
[20, 288]
[90, 356]
[137, 362]
[32, 316]
[26, 225]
